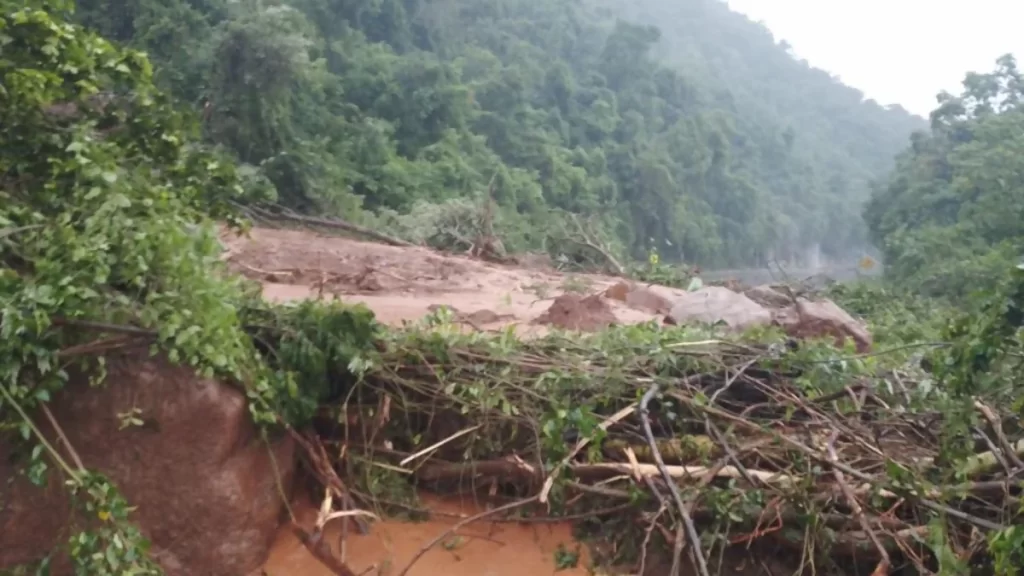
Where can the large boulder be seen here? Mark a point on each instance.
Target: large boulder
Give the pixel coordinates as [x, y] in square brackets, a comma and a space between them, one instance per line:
[203, 481]
[822, 319]
[768, 296]
[643, 298]
[713, 304]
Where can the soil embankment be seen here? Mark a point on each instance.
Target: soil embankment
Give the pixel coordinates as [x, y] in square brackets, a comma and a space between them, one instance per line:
[403, 284]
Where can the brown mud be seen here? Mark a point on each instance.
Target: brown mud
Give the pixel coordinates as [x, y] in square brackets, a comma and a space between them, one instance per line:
[479, 549]
[401, 285]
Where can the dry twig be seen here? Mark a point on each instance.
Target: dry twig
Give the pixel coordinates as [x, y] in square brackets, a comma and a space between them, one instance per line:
[691, 530]
[858, 512]
[476, 518]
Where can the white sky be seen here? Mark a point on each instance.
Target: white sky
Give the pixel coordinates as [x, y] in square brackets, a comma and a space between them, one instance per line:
[896, 51]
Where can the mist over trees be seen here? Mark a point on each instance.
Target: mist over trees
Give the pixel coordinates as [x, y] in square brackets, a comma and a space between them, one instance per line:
[950, 219]
[702, 138]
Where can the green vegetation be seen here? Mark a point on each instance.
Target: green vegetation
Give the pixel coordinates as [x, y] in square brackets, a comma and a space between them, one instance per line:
[105, 231]
[951, 218]
[98, 187]
[109, 194]
[732, 153]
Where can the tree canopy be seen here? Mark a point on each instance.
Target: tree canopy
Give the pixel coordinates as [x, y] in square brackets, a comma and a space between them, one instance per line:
[951, 216]
[704, 139]
[368, 108]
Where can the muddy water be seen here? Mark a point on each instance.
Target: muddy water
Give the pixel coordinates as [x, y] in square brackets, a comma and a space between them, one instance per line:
[480, 549]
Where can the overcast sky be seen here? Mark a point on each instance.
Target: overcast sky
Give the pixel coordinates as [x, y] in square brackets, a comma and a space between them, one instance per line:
[896, 51]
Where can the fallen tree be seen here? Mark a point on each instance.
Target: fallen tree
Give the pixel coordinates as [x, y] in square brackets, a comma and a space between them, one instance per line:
[660, 441]
[668, 440]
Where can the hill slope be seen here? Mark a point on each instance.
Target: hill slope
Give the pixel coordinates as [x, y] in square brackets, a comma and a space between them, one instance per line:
[729, 153]
[950, 220]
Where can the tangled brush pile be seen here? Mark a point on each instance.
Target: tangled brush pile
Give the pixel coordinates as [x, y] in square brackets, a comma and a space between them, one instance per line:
[657, 439]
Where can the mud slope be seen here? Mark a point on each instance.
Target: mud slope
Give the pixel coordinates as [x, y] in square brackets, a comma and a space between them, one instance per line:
[404, 284]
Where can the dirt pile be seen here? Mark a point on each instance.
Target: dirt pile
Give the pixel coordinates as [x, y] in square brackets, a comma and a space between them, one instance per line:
[574, 312]
[203, 482]
[643, 298]
[402, 284]
[823, 319]
[343, 266]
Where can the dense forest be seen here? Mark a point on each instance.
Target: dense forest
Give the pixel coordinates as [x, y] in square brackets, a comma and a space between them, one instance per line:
[703, 138]
[950, 219]
[391, 113]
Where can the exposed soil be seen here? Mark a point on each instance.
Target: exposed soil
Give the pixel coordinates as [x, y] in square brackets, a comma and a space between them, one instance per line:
[404, 284]
[571, 312]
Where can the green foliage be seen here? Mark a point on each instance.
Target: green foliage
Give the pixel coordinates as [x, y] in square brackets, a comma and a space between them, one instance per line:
[654, 271]
[316, 349]
[984, 361]
[985, 355]
[98, 192]
[895, 317]
[950, 220]
[807, 141]
[105, 229]
[116, 548]
[105, 208]
[949, 223]
[401, 107]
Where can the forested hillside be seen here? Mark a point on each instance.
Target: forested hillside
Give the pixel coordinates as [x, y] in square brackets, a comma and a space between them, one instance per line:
[704, 140]
[951, 218]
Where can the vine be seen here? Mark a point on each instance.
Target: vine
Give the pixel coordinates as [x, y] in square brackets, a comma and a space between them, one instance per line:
[106, 232]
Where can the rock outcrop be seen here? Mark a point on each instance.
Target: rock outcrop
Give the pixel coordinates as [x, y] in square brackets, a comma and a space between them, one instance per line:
[763, 305]
[821, 319]
[643, 298]
[713, 304]
[203, 481]
[766, 295]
